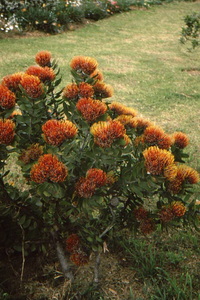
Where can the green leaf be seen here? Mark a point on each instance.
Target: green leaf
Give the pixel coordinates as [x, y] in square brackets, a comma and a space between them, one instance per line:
[90, 239]
[22, 220]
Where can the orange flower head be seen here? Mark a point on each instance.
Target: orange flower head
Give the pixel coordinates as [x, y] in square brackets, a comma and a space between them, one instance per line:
[73, 243]
[106, 132]
[103, 90]
[70, 92]
[147, 226]
[180, 140]
[142, 124]
[121, 109]
[127, 140]
[85, 90]
[7, 98]
[79, 258]
[156, 160]
[6, 132]
[43, 58]
[12, 81]
[85, 187]
[98, 75]
[91, 109]
[84, 63]
[155, 136]
[32, 86]
[127, 120]
[170, 172]
[140, 213]
[178, 209]
[31, 153]
[44, 74]
[55, 132]
[48, 168]
[166, 214]
[96, 176]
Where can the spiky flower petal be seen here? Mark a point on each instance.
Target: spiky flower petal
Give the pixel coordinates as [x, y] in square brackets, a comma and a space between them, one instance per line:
[178, 209]
[70, 91]
[91, 109]
[85, 90]
[155, 136]
[6, 131]
[84, 63]
[7, 98]
[43, 58]
[32, 85]
[43, 73]
[12, 81]
[180, 140]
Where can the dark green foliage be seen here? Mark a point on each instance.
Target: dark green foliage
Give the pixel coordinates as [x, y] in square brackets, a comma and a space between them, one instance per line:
[191, 30]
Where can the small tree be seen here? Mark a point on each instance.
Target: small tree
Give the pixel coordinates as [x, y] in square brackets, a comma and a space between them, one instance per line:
[90, 166]
[191, 30]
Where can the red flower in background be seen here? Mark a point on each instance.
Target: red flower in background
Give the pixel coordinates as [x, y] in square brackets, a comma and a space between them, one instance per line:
[7, 98]
[7, 132]
[43, 58]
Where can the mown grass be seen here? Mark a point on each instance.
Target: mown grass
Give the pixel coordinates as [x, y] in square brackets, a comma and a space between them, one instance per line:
[141, 57]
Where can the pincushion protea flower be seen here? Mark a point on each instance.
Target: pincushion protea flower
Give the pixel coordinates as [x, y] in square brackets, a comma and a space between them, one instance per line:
[166, 214]
[155, 136]
[80, 258]
[48, 168]
[180, 140]
[140, 213]
[159, 162]
[55, 132]
[178, 209]
[91, 109]
[7, 98]
[147, 226]
[98, 75]
[6, 131]
[73, 243]
[103, 90]
[85, 90]
[184, 174]
[85, 64]
[32, 85]
[96, 176]
[44, 74]
[71, 91]
[43, 58]
[106, 132]
[127, 120]
[142, 124]
[121, 109]
[31, 153]
[12, 81]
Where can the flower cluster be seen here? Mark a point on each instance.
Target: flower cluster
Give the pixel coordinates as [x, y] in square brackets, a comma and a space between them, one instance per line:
[155, 136]
[56, 132]
[184, 174]
[147, 224]
[12, 81]
[70, 92]
[180, 140]
[106, 132]
[175, 210]
[85, 90]
[84, 64]
[48, 168]
[78, 256]
[7, 132]
[103, 90]
[43, 73]
[160, 162]
[86, 186]
[91, 109]
[43, 58]
[7, 98]
[127, 120]
[32, 86]
[121, 109]
[31, 153]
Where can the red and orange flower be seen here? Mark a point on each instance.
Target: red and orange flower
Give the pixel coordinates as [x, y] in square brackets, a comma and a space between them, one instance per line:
[142, 124]
[180, 140]
[12, 81]
[166, 214]
[106, 132]
[147, 226]
[91, 109]
[160, 162]
[98, 75]
[44, 74]
[48, 168]
[31, 153]
[70, 92]
[140, 213]
[7, 132]
[127, 120]
[155, 136]
[7, 98]
[121, 109]
[178, 209]
[43, 58]
[103, 90]
[55, 132]
[73, 242]
[32, 85]
[84, 63]
[85, 90]
[97, 176]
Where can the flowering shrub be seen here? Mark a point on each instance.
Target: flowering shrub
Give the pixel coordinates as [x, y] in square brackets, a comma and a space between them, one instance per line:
[91, 166]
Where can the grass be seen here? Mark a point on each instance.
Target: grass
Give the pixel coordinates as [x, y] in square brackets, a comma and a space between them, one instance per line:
[141, 57]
